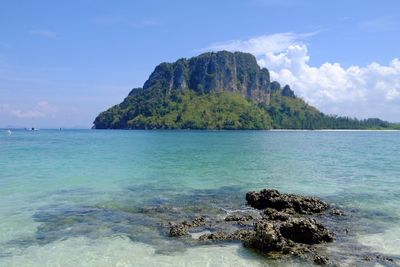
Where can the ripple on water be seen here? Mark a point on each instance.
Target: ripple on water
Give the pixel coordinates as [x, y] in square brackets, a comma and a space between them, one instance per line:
[387, 242]
[138, 217]
[119, 251]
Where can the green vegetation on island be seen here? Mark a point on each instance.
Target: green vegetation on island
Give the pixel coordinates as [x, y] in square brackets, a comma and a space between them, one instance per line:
[185, 110]
[295, 113]
[220, 90]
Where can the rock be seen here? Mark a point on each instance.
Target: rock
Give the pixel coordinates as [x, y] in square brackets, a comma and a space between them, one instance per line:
[379, 258]
[199, 221]
[384, 258]
[238, 218]
[214, 72]
[179, 229]
[241, 235]
[270, 198]
[237, 235]
[305, 230]
[275, 86]
[321, 260]
[266, 238]
[337, 212]
[287, 236]
[283, 228]
[274, 215]
[158, 209]
[182, 228]
[286, 91]
[214, 236]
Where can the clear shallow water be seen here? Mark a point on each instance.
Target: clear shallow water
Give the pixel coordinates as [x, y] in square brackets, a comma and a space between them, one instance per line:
[86, 198]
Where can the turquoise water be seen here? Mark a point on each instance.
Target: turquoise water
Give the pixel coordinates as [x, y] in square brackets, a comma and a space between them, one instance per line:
[76, 197]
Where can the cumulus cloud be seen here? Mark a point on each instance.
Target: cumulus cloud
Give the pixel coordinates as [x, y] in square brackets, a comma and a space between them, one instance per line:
[261, 44]
[41, 109]
[360, 91]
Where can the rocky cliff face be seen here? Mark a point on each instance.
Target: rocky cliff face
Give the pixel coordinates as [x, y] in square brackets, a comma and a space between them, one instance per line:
[214, 72]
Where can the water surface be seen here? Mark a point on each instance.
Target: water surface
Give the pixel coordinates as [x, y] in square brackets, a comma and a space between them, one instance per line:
[87, 198]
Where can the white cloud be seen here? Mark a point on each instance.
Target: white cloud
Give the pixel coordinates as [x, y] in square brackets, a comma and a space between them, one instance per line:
[41, 109]
[44, 33]
[361, 91]
[258, 45]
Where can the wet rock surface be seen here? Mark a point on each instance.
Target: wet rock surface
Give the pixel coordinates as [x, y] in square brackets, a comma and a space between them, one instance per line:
[274, 215]
[271, 198]
[182, 228]
[283, 226]
[241, 219]
[381, 259]
[238, 218]
[337, 212]
[237, 235]
[321, 260]
[305, 230]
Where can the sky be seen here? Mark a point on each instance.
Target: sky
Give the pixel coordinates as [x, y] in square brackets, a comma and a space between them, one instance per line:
[63, 62]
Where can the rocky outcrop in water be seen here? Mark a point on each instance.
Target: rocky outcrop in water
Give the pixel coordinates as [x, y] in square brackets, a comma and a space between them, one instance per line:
[182, 228]
[269, 198]
[283, 227]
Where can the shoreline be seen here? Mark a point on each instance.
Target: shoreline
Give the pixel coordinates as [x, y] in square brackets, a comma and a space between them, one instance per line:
[334, 130]
[212, 130]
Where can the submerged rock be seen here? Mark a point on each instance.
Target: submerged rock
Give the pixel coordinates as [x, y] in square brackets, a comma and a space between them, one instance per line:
[179, 229]
[199, 221]
[214, 236]
[379, 258]
[238, 218]
[271, 198]
[157, 209]
[337, 212]
[240, 235]
[321, 260]
[241, 219]
[182, 229]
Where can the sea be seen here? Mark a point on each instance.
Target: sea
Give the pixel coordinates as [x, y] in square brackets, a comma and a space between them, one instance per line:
[104, 197]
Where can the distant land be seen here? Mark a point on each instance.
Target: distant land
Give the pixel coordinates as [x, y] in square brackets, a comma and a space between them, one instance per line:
[220, 90]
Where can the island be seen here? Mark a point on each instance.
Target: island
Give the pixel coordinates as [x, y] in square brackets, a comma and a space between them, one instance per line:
[220, 91]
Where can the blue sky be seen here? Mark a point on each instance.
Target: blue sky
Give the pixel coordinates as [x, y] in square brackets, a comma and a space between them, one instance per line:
[63, 62]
